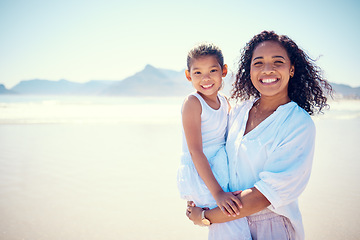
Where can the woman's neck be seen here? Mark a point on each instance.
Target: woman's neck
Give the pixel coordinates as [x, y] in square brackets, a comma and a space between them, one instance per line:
[271, 103]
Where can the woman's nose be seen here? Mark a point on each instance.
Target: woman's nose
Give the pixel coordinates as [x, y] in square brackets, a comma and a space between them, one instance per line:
[268, 68]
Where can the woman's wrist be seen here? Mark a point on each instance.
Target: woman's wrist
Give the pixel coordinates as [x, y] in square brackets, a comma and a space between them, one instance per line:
[204, 219]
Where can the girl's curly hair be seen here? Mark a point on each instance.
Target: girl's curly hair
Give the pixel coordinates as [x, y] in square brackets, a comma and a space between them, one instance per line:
[306, 87]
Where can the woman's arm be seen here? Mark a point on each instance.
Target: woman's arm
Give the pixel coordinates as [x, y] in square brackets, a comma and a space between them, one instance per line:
[252, 201]
[191, 118]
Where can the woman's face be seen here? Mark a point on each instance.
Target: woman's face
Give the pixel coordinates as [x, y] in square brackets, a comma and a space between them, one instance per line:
[271, 69]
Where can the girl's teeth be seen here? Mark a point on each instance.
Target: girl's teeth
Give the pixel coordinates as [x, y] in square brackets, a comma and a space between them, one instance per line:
[269, 80]
[207, 86]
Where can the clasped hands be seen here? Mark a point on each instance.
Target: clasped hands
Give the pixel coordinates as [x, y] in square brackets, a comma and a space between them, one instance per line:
[228, 202]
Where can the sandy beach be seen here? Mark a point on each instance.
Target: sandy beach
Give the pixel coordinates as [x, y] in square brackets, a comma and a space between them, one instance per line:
[74, 169]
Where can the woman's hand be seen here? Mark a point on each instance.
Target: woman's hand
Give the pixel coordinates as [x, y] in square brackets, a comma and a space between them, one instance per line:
[194, 213]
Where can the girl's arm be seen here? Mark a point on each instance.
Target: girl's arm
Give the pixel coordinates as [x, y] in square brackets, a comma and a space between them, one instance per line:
[191, 118]
[252, 200]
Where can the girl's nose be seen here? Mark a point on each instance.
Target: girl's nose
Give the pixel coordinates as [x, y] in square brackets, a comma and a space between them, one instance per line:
[206, 77]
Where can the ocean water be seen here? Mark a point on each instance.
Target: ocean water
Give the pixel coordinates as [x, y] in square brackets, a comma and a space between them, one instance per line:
[105, 168]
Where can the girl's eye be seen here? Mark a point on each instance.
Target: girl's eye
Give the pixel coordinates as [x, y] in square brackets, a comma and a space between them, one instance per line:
[213, 70]
[197, 72]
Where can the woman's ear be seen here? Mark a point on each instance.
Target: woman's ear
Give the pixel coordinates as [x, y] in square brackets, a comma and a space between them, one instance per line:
[292, 71]
[187, 74]
[224, 70]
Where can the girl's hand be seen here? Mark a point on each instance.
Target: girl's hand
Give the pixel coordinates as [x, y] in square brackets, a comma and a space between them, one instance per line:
[237, 192]
[228, 203]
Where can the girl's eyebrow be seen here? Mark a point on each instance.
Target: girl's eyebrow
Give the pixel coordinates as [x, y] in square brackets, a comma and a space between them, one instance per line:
[213, 66]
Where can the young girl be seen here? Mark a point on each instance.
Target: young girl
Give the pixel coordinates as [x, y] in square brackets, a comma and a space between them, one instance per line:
[203, 176]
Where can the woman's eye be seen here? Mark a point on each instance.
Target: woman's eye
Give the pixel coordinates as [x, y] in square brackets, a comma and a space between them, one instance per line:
[257, 64]
[279, 62]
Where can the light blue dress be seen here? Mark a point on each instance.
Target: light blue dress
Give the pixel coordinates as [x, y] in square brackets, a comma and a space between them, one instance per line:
[190, 184]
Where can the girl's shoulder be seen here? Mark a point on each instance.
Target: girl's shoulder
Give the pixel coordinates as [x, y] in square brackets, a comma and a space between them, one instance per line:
[191, 103]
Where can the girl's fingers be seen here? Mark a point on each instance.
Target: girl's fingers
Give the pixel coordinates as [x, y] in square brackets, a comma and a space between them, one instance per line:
[234, 208]
[236, 192]
[237, 202]
[229, 210]
[222, 208]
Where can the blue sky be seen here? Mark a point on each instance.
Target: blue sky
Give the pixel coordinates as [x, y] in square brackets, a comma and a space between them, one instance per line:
[82, 40]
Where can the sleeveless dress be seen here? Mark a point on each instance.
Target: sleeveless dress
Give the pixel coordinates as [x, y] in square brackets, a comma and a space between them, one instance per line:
[192, 187]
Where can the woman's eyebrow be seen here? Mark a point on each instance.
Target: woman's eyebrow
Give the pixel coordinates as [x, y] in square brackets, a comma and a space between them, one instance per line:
[272, 57]
[279, 57]
[257, 58]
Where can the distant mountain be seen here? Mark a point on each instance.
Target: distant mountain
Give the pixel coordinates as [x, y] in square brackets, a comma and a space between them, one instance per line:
[345, 91]
[150, 81]
[94, 87]
[45, 87]
[61, 87]
[3, 90]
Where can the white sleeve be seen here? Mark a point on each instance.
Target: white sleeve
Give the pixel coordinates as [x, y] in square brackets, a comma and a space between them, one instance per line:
[288, 167]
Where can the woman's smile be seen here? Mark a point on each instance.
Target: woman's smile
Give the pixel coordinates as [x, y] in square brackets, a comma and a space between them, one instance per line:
[269, 80]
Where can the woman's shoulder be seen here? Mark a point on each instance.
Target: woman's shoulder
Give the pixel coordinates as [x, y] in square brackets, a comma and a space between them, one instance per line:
[300, 115]
[239, 110]
[243, 105]
[298, 118]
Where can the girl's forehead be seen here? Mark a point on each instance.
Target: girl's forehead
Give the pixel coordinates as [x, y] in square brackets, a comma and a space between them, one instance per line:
[205, 60]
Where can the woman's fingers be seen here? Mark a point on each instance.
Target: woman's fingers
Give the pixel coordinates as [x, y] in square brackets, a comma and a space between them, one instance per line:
[188, 212]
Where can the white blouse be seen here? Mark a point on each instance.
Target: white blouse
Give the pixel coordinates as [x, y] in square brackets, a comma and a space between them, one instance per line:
[275, 157]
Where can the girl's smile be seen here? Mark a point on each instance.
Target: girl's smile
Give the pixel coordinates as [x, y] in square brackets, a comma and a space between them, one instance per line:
[207, 86]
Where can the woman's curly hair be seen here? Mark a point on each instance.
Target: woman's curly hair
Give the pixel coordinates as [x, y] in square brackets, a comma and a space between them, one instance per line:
[306, 87]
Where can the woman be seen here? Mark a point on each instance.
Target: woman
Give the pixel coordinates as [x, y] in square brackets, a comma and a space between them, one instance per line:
[271, 137]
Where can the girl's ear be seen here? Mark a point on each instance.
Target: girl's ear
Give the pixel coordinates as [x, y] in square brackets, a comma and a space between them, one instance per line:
[224, 70]
[187, 74]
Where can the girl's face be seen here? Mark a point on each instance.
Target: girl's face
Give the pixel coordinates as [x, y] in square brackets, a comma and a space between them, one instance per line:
[206, 75]
[271, 69]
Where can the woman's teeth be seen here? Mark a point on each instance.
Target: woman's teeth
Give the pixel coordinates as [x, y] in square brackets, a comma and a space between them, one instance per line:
[269, 80]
